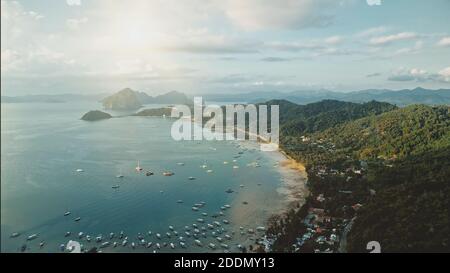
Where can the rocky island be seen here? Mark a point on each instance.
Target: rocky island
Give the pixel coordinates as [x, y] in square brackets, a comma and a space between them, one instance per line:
[128, 99]
[95, 115]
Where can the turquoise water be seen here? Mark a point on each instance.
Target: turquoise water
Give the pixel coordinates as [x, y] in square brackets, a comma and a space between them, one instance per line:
[42, 146]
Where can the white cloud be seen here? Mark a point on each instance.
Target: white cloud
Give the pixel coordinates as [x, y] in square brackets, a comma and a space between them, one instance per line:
[291, 14]
[384, 40]
[73, 2]
[445, 74]
[75, 23]
[419, 75]
[333, 40]
[371, 31]
[445, 42]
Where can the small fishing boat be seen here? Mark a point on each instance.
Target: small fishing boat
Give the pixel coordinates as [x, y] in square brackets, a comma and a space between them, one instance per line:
[225, 221]
[67, 234]
[191, 178]
[32, 237]
[115, 244]
[77, 219]
[172, 246]
[228, 237]
[79, 170]
[88, 238]
[133, 245]
[168, 234]
[41, 244]
[260, 228]
[115, 187]
[183, 245]
[80, 235]
[225, 162]
[179, 201]
[198, 242]
[120, 175]
[229, 191]
[158, 236]
[149, 244]
[171, 228]
[99, 238]
[105, 244]
[204, 214]
[225, 246]
[227, 206]
[194, 208]
[219, 239]
[111, 235]
[209, 171]
[200, 220]
[187, 234]
[158, 246]
[149, 173]
[124, 242]
[212, 246]
[67, 213]
[168, 173]
[235, 167]
[180, 164]
[15, 234]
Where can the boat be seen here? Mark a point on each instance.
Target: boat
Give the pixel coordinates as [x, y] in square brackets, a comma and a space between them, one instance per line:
[111, 235]
[168, 234]
[77, 219]
[187, 234]
[241, 186]
[204, 214]
[115, 244]
[179, 201]
[168, 173]
[227, 206]
[225, 162]
[261, 228]
[133, 245]
[124, 242]
[228, 237]
[149, 173]
[200, 220]
[67, 234]
[229, 191]
[79, 170]
[180, 164]
[149, 244]
[194, 208]
[235, 167]
[67, 213]
[80, 235]
[204, 166]
[32, 237]
[115, 187]
[219, 239]
[191, 178]
[120, 175]
[41, 244]
[158, 235]
[99, 238]
[225, 221]
[198, 242]
[149, 233]
[138, 167]
[209, 171]
[171, 228]
[121, 235]
[105, 244]
[158, 246]
[224, 246]
[172, 246]
[183, 245]
[212, 246]
[15, 234]
[88, 238]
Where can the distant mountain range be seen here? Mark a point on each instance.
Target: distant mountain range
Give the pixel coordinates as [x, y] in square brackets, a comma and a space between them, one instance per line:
[401, 97]
[134, 98]
[128, 99]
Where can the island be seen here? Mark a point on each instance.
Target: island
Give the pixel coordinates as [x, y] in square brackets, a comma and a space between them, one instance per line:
[95, 115]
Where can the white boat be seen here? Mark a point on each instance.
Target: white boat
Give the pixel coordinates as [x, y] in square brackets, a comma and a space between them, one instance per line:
[124, 242]
[209, 171]
[168, 234]
[225, 162]
[171, 228]
[105, 244]
[15, 234]
[212, 246]
[67, 213]
[194, 208]
[158, 235]
[179, 201]
[158, 246]
[41, 244]
[67, 234]
[77, 219]
[115, 187]
[138, 167]
[133, 245]
[80, 235]
[79, 170]
[88, 238]
[191, 178]
[149, 244]
[32, 237]
[228, 237]
[198, 242]
[225, 246]
[111, 235]
[168, 173]
[180, 164]
[219, 239]
[172, 246]
[235, 167]
[183, 245]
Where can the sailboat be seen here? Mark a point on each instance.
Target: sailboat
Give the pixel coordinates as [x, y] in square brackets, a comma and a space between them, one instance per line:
[138, 168]
[120, 175]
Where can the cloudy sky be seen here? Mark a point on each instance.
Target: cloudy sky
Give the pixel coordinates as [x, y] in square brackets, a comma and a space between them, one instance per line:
[96, 46]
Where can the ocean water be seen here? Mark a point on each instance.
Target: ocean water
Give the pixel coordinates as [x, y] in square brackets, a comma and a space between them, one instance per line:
[43, 144]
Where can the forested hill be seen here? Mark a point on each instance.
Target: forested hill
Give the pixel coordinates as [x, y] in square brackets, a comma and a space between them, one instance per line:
[388, 169]
[412, 130]
[313, 117]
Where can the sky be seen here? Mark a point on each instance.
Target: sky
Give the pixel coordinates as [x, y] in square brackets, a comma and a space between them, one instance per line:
[226, 46]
